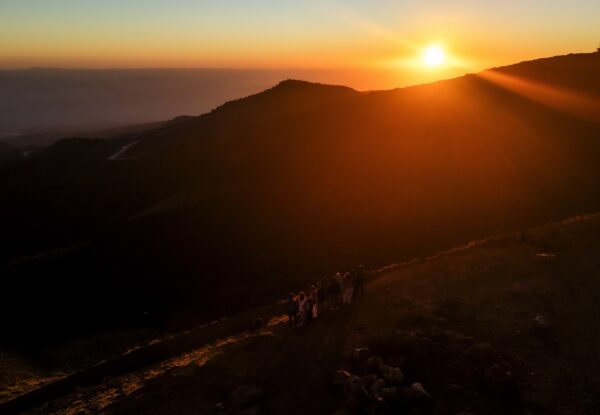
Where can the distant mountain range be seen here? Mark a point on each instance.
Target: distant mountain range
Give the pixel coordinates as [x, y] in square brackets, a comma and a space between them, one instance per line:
[49, 102]
[212, 214]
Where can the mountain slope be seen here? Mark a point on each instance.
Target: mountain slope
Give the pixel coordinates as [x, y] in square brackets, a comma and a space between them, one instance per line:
[492, 328]
[220, 212]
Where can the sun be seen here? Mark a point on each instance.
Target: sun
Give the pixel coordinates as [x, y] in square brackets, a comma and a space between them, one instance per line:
[434, 56]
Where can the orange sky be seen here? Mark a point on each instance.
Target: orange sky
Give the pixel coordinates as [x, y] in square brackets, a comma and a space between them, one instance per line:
[373, 44]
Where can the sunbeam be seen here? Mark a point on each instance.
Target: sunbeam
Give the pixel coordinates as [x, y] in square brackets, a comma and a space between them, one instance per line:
[569, 101]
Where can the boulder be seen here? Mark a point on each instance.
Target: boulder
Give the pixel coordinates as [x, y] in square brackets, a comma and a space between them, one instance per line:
[355, 388]
[246, 395]
[392, 375]
[541, 322]
[377, 387]
[370, 378]
[374, 363]
[361, 354]
[416, 394]
[341, 376]
[376, 407]
[391, 394]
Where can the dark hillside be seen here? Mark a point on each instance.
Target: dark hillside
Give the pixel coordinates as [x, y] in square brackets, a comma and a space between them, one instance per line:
[216, 213]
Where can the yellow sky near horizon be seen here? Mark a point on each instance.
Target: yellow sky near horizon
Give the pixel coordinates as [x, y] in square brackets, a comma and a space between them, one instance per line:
[376, 44]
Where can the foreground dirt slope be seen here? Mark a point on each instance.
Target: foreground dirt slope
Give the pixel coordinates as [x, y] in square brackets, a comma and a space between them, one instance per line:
[514, 329]
[491, 328]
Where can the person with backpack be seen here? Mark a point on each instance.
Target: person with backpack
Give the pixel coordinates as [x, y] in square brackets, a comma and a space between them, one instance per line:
[334, 292]
[292, 309]
[302, 309]
[358, 281]
[347, 289]
[309, 306]
[314, 301]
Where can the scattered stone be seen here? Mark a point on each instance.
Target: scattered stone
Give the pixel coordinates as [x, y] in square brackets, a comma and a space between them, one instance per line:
[361, 354]
[355, 388]
[416, 394]
[341, 376]
[370, 378]
[392, 375]
[541, 322]
[377, 387]
[390, 394]
[221, 406]
[374, 363]
[246, 395]
[376, 407]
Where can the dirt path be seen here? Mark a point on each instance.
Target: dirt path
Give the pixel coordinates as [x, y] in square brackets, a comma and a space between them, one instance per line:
[293, 366]
[300, 371]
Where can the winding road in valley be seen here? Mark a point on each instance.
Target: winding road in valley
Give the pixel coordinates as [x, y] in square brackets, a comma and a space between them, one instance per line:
[119, 154]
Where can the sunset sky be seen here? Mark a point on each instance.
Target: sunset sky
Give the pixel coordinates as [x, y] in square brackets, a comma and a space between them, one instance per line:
[376, 43]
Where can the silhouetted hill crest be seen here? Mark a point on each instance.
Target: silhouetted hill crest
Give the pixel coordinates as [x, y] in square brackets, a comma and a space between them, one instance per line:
[291, 91]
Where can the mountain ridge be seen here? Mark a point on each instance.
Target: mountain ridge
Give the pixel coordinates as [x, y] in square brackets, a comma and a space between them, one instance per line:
[268, 192]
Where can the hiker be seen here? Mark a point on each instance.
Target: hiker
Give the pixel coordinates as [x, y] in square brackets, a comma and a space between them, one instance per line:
[334, 291]
[309, 306]
[314, 301]
[348, 288]
[322, 293]
[358, 281]
[302, 305]
[292, 309]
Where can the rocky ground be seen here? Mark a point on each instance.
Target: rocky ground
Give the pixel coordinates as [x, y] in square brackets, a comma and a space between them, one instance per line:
[504, 326]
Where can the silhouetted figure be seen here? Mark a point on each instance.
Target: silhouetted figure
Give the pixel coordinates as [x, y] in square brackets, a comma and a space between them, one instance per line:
[302, 308]
[313, 294]
[309, 306]
[358, 281]
[292, 309]
[334, 291]
[348, 289]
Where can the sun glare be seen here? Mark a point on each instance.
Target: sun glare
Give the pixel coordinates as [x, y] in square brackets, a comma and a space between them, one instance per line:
[433, 56]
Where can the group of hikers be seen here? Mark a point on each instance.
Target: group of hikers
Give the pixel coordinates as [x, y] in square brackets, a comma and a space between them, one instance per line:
[332, 293]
